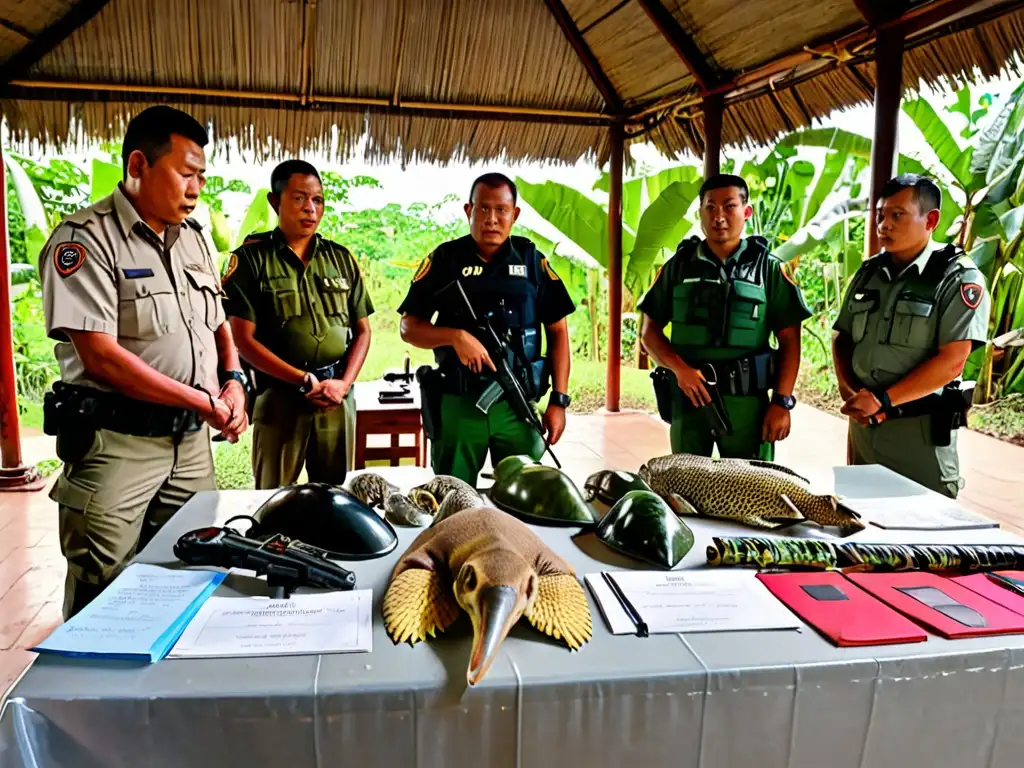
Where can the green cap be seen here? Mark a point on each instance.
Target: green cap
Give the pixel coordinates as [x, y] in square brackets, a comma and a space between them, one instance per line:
[641, 525]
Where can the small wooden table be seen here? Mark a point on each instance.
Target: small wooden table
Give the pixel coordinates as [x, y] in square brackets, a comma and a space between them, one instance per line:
[391, 419]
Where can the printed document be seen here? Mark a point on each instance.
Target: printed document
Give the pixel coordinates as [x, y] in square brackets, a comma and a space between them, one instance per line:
[137, 617]
[326, 622]
[687, 601]
[924, 512]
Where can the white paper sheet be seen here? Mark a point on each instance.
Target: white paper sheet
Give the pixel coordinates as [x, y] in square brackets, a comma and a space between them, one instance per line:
[925, 512]
[327, 622]
[688, 601]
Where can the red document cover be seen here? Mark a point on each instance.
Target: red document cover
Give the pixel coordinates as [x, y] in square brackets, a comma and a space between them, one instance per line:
[988, 587]
[940, 604]
[840, 610]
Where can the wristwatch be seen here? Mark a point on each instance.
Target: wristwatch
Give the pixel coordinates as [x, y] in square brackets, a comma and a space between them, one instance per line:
[785, 401]
[224, 377]
[560, 399]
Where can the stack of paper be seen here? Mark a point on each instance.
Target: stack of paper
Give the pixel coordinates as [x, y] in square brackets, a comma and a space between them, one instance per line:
[926, 512]
[326, 622]
[138, 617]
[641, 602]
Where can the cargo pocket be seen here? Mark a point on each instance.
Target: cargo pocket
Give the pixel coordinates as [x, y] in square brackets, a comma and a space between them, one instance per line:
[746, 315]
[206, 286]
[147, 311]
[690, 315]
[73, 497]
[912, 324]
[860, 309]
[334, 294]
[287, 304]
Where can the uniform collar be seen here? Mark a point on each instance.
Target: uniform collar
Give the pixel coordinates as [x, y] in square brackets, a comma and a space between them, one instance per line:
[705, 253]
[132, 224]
[277, 237]
[501, 254]
[917, 264]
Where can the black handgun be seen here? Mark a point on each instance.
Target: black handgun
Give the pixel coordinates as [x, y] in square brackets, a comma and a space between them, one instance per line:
[287, 563]
[717, 416]
[498, 352]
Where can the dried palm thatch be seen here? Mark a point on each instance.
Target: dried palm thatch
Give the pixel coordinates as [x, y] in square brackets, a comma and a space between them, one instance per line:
[472, 80]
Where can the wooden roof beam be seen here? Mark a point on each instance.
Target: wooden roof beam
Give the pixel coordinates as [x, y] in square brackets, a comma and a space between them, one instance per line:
[17, 29]
[49, 38]
[685, 47]
[586, 56]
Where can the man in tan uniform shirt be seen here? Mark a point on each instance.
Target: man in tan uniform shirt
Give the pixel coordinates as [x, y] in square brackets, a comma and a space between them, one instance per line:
[131, 295]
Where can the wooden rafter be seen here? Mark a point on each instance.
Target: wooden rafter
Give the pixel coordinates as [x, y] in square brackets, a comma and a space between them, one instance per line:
[49, 38]
[17, 29]
[586, 56]
[683, 44]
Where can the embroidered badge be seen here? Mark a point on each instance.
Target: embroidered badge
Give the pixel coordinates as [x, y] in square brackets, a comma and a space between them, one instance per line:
[68, 258]
[422, 270]
[547, 268]
[232, 266]
[472, 271]
[971, 293]
[517, 270]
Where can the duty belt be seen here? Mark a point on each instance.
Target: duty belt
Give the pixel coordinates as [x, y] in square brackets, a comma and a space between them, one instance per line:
[87, 407]
[745, 376]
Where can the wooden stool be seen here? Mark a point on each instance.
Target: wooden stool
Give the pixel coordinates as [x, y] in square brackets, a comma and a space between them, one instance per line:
[391, 419]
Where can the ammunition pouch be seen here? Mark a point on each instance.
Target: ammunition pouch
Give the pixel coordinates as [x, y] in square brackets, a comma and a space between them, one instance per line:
[664, 389]
[74, 413]
[753, 375]
[946, 410]
[431, 390]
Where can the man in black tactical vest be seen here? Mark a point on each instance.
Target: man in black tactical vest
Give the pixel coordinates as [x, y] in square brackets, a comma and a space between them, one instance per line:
[510, 284]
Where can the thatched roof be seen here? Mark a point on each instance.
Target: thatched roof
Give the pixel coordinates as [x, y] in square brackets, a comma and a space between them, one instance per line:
[473, 79]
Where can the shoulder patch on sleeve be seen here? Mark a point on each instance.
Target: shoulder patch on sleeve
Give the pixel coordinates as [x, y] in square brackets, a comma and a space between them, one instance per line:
[547, 268]
[423, 268]
[231, 267]
[972, 294]
[68, 258]
[787, 269]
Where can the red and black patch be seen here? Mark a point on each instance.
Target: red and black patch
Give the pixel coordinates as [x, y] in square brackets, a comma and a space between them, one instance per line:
[68, 258]
[971, 293]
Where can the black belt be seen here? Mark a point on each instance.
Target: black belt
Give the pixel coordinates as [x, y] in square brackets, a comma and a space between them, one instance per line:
[745, 376]
[79, 407]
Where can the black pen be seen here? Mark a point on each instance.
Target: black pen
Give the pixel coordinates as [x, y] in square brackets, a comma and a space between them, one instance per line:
[631, 612]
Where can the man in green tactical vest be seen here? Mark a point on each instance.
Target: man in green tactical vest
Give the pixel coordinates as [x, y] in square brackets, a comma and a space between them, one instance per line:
[299, 310]
[510, 284]
[910, 318]
[725, 296]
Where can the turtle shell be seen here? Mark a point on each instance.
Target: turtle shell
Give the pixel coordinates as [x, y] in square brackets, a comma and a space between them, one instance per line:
[540, 494]
[610, 485]
[642, 526]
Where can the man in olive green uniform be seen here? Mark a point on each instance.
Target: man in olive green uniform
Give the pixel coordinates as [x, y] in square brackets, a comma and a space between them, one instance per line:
[508, 280]
[131, 295]
[725, 296]
[300, 313]
[909, 320]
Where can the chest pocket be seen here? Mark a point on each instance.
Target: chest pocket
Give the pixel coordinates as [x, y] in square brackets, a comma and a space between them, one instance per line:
[693, 301]
[334, 292]
[148, 309]
[912, 324]
[746, 314]
[209, 306]
[283, 298]
[860, 311]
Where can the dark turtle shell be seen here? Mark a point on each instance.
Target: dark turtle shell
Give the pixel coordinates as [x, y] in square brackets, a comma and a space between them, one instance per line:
[610, 485]
[641, 525]
[539, 494]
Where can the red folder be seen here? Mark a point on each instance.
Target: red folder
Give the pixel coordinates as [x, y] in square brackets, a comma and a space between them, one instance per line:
[840, 610]
[998, 593]
[940, 604]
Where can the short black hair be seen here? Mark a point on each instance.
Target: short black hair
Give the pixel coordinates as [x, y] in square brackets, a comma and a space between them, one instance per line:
[495, 180]
[927, 194]
[150, 132]
[722, 181]
[284, 171]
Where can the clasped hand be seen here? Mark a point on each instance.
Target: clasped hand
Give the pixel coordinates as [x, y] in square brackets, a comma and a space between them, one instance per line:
[228, 415]
[328, 394]
[863, 408]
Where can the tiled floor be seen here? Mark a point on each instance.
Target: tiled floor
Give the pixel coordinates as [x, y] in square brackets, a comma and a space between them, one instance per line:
[32, 570]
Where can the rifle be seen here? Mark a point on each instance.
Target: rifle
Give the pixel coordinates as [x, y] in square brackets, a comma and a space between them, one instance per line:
[505, 381]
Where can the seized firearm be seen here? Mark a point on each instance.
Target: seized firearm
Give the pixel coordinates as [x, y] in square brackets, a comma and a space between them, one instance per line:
[505, 381]
[287, 563]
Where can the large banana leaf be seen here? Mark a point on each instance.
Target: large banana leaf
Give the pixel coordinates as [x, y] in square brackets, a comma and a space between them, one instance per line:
[798, 179]
[105, 177]
[663, 225]
[37, 225]
[220, 231]
[258, 218]
[570, 271]
[1001, 143]
[835, 162]
[575, 215]
[955, 160]
[817, 232]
